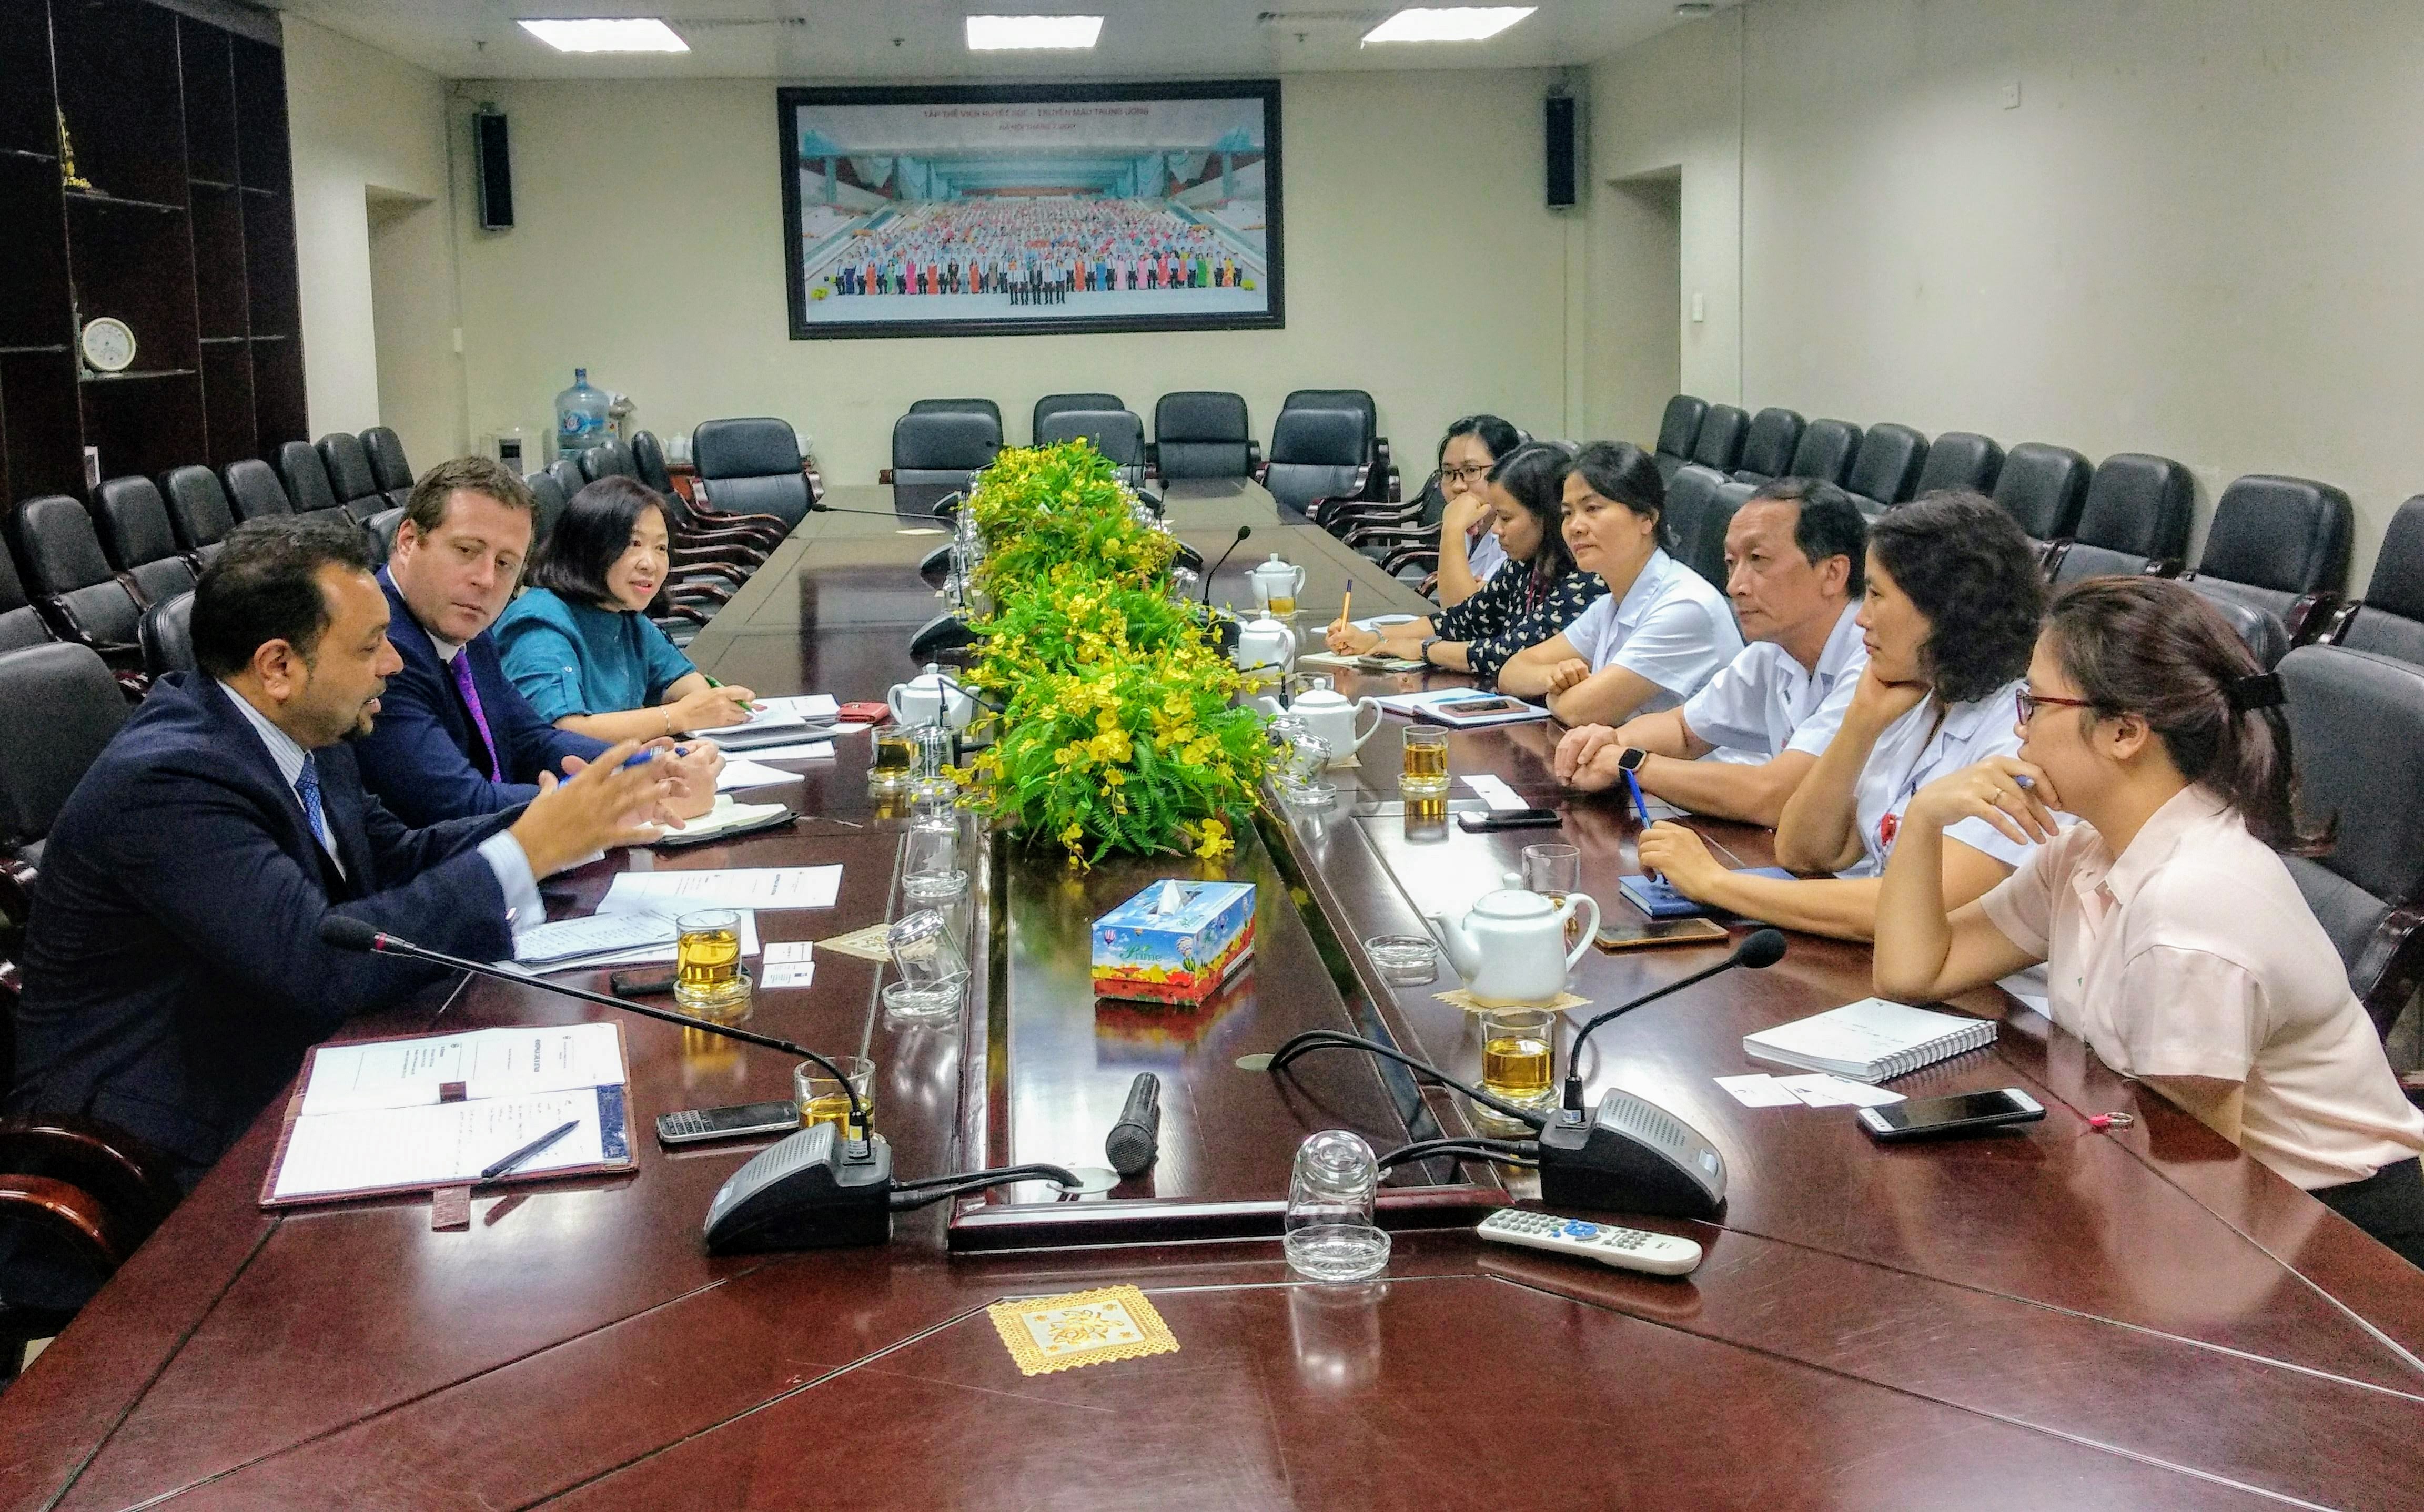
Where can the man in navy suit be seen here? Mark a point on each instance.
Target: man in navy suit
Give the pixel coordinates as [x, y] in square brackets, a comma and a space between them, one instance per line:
[455, 736]
[173, 969]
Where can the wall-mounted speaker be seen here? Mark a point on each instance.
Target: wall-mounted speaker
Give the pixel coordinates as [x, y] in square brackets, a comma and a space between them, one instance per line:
[1564, 116]
[496, 172]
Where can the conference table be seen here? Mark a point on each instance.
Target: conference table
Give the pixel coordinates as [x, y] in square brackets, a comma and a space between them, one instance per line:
[2053, 1316]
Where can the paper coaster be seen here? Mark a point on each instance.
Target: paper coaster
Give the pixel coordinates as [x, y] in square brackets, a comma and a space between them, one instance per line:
[1465, 1000]
[1346, 763]
[1048, 1333]
[867, 944]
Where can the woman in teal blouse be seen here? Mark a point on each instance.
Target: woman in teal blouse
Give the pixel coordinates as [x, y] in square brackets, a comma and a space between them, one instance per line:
[579, 643]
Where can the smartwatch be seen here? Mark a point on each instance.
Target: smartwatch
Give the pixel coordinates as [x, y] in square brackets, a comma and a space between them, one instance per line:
[1428, 644]
[1630, 758]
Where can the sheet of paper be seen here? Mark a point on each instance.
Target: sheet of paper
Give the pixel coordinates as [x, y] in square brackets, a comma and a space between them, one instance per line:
[489, 1063]
[1819, 1090]
[740, 771]
[806, 706]
[803, 750]
[591, 934]
[645, 956]
[783, 952]
[1379, 622]
[1757, 1092]
[676, 892]
[791, 974]
[1494, 791]
[439, 1143]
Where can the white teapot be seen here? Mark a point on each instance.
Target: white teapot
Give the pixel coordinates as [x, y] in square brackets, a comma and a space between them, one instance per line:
[929, 699]
[1265, 643]
[1510, 948]
[1330, 716]
[1276, 579]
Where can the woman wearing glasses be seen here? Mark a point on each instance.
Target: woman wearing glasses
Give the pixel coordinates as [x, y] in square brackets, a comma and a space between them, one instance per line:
[1469, 552]
[2179, 945]
[1950, 613]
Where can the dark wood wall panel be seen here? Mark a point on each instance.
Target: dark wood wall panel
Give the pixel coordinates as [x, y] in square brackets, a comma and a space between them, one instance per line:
[33, 252]
[227, 402]
[116, 64]
[26, 103]
[45, 441]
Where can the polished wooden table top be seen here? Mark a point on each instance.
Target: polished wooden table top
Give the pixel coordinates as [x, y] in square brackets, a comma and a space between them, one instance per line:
[2053, 1316]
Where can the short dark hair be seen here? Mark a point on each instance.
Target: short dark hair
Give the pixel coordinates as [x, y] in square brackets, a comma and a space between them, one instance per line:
[1496, 436]
[427, 507]
[1534, 475]
[1830, 524]
[591, 536]
[1972, 571]
[1624, 472]
[263, 585]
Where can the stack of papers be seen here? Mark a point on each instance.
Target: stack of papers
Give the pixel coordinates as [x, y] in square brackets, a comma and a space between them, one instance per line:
[745, 773]
[742, 887]
[1870, 1040]
[779, 722]
[1463, 708]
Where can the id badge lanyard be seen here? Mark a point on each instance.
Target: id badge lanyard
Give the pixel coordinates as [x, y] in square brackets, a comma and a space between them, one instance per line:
[1890, 822]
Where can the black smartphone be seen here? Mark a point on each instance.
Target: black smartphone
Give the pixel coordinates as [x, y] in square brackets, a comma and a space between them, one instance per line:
[1925, 1117]
[1635, 933]
[651, 983]
[1509, 819]
[693, 1125]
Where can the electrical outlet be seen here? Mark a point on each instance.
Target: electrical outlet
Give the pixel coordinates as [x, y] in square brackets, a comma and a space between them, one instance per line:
[1700, 306]
[2012, 95]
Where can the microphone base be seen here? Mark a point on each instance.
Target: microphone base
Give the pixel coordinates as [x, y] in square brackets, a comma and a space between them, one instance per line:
[802, 1192]
[1632, 1156]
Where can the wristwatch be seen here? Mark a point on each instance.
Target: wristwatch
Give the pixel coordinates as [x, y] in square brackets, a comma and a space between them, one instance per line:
[1425, 653]
[1630, 758]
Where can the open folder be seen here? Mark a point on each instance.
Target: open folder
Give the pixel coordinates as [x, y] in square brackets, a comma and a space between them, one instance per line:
[380, 1117]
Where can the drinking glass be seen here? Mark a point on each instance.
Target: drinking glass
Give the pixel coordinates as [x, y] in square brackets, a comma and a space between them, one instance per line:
[1330, 1234]
[1425, 774]
[929, 862]
[1518, 1059]
[1555, 872]
[708, 977]
[933, 747]
[896, 753]
[1298, 763]
[934, 971]
[1426, 820]
[821, 1098]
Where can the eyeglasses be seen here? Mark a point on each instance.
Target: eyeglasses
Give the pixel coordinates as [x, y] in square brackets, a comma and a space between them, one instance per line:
[2030, 702]
[1475, 473]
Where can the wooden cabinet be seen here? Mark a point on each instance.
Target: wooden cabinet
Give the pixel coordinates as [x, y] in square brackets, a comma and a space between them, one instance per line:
[180, 224]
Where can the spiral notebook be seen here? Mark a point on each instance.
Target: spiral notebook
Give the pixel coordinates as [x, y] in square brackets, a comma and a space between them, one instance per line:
[1870, 1040]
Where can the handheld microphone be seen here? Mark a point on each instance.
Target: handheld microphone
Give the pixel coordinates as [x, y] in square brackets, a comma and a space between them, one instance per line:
[1134, 1141]
[1760, 950]
[1243, 531]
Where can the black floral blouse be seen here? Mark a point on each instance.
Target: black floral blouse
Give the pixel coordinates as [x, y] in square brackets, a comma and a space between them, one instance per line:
[1512, 612]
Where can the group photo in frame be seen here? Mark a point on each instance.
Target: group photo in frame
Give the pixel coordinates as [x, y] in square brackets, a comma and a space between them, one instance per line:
[1020, 210]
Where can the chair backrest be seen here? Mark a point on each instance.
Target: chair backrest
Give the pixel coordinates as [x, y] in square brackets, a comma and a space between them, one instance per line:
[388, 467]
[350, 473]
[2043, 487]
[167, 635]
[134, 528]
[380, 528]
[2258, 625]
[1202, 433]
[198, 506]
[566, 472]
[1679, 426]
[306, 478]
[1718, 445]
[2391, 623]
[1826, 448]
[1315, 453]
[942, 449]
[1353, 400]
[2140, 504]
[1960, 459]
[753, 465]
[2083, 560]
[960, 406]
[547, 500]
[1768, 446]
[62, 552]
[21, 624]
[58, 706]
[2289, 535]
[255, 491]
[1700, 503]
[1054, 404]
[1118, 434]
[1887, 466]
[648, 462]
[609, 458]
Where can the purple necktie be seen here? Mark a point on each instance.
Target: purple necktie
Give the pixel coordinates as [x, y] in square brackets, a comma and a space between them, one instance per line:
[479, 719]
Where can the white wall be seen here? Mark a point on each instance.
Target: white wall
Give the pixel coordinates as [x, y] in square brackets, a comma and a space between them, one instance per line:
[1421, 265]
[2194, 235]
[367, 126]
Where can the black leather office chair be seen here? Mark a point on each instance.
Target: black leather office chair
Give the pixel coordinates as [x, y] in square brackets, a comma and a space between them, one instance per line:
[1719, 443]
[387, 466]
[380, 528]
[59, 704]
[2135, 521]
[306, 478]
[1678, 428]
[136, 531]
[254, 489]
[1960, 459]
[2267, 639]
[934, 453]
[960, 406]
[1204, 434]
[547, 500]
[351, 478]
[199, 510]
[83, 599]
[648, 462]
[1826, 450]
[2279, 543]
[21, 624]
[167, 634]
[1118, 434]
[1054, 404]
[2043, 487]
[1381, 483]
[1768, 445]
[2355, 720]
[1885, 469]
[609, 458]
[2389, 620]
[1696, 517]
[1315, 455]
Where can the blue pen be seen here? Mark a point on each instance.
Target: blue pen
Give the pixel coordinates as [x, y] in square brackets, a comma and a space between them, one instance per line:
[1640, 804]
[645, 754]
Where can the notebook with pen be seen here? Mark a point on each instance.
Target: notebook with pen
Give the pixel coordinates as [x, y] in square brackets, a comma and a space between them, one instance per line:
[1657, 898]
[376, 1118]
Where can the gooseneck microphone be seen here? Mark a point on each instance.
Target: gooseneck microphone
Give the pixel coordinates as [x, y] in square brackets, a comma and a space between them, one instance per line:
[1135, 1140]
[1243, 531]
[1762, 949]
[871, 514]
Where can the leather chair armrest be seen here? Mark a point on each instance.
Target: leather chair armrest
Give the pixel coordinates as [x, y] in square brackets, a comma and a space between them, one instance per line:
[2391, 966]
[1255, 458]
[66, 1212]
[2309, 617]
[2335, 625]
[1412, 556]
[1429, 588]
[2050, 555]
[679, 610]
[687, 554]
[2166, 566]
[1393, 535]
[687, 576]
[133, 1183]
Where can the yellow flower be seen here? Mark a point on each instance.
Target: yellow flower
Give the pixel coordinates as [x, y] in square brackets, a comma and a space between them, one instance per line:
[1216, 840]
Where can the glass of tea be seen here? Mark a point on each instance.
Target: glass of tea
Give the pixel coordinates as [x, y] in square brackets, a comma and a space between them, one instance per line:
[895, 757]
[1425, 774]
[1555, 872]
[821, 1098]
[1518, 1055]
[708, 976]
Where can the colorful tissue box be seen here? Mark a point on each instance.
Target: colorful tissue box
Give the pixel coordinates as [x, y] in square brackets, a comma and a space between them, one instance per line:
[1174, 949]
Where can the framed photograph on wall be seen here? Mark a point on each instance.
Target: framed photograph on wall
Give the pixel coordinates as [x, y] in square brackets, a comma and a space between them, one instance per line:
[1024, 209]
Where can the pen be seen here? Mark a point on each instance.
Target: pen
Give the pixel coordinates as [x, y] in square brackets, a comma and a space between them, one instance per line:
[1346, 607]
[1640, 804]
[713, 683]
[514, 1160]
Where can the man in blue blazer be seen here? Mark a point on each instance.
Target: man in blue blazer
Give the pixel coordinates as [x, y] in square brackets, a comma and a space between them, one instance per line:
[455, 736]
[173, 969]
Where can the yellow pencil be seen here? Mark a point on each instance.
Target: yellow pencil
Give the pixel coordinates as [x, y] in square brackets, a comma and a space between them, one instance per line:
[1347, 606]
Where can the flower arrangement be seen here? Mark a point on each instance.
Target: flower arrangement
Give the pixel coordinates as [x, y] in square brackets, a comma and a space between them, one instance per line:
[1118, 732]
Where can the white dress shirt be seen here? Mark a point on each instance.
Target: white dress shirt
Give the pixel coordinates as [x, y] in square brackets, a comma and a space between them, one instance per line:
[2192, 954]
[1484, 557]
[1671, 627]
[1765, 702]
[1913, 752]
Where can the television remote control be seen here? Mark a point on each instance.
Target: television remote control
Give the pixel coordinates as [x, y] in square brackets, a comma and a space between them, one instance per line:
[1660, 1254]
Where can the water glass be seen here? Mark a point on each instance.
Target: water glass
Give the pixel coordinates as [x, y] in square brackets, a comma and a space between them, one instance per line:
[934, 971]
[1330, 1234]
[1426, 820]
[821, 1098]
[1297, 762]
[929, 861]
[1555, 872]
[1425, 774]
[933, 747]
[708, 977]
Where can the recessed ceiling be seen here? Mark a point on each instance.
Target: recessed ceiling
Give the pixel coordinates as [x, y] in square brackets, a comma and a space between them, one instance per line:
[848, 40]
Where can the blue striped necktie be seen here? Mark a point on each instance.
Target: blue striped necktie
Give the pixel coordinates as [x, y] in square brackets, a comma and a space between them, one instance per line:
[306, 786]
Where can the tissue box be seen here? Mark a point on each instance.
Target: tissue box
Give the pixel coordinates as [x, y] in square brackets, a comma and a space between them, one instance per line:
[1174, 954]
